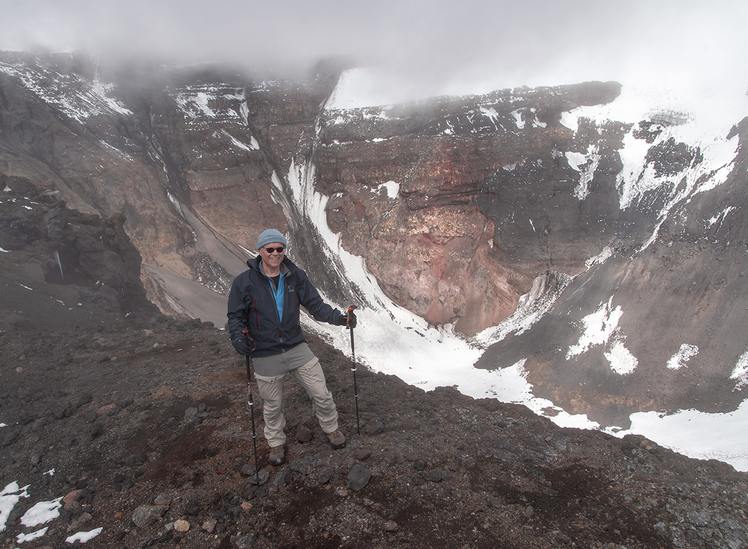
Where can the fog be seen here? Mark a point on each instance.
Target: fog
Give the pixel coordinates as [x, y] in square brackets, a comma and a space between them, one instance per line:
[414, 48]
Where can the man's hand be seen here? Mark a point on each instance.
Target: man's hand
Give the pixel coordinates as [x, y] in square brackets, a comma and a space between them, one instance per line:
[242, 347]
[348, 320]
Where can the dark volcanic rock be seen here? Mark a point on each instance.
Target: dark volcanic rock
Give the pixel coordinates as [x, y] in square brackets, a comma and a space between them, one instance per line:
[75, 259]
[481, 470]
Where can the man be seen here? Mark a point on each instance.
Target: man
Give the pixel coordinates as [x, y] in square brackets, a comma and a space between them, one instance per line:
[263, 312]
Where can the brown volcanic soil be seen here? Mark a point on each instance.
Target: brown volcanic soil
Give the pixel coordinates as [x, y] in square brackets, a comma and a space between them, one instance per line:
[152, 418]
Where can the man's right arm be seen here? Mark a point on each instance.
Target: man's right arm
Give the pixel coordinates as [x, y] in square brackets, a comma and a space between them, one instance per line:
[237, 319]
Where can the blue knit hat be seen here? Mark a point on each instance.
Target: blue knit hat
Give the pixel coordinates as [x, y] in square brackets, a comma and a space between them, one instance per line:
[269, 236]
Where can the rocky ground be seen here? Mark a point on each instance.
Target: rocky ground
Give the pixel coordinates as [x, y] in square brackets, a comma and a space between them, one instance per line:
[142, 430]
[126, 428]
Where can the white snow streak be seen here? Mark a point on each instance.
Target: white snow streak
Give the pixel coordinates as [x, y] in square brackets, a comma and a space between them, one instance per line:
[42, 512]
[740, 373]
[599, 327]
[586, 165]
[23, 538]
[9, 497]
[83, 537]
[600, 258]
[684, 354]
[74, 96]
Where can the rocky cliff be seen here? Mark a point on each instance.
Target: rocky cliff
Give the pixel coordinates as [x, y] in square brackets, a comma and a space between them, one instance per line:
[462, 210]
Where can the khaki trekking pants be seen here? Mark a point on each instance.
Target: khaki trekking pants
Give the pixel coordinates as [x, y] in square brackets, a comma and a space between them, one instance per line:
[312, 378]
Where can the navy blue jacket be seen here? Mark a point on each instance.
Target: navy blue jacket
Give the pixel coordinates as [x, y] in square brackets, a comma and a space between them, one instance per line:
[270, 317]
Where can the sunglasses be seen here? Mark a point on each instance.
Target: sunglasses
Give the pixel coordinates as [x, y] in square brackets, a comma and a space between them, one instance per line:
[279, 249]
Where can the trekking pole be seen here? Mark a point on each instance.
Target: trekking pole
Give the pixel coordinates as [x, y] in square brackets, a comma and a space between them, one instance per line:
[257, 478]
[353, 369]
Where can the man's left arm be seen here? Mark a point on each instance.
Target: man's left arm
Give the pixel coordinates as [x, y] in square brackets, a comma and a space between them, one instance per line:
[311, 300]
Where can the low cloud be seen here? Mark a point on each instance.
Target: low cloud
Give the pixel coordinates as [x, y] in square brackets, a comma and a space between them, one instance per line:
[426, 48]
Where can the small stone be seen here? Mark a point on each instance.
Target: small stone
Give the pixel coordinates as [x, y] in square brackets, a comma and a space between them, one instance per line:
[105, 410]
[210, 525]
[390, 526]
[260, 478]
[192, 507]
[190, 414]
[699, 518]
[70, 497]
[246, 506]
[76, 524]
[280, 478]
[362, 454]
[162, 499]
[245, 542]
[145, 515]
[135, 460]
[303, 434]
[325, 475]
[248, 469]
[435, 476]
[358, 477]
[181, 525]
[373, 427]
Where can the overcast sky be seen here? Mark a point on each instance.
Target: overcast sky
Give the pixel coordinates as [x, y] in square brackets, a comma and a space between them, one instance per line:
[439, 46]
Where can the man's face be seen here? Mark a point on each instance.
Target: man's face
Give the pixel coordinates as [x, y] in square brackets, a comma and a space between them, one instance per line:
[272, 254]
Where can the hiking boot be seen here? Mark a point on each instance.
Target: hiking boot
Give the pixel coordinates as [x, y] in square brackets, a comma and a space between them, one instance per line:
[337, 439]
[277, 455]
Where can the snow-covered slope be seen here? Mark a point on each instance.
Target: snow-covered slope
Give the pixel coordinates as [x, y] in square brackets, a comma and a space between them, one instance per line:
[392, 340]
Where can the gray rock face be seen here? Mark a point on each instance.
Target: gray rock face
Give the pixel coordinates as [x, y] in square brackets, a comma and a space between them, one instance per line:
[463, 209]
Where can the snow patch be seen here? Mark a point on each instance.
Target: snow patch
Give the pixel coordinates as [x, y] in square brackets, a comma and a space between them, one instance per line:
[23, 538]
[586, 165]
[697, 434]
[252, 146]
[9, 497]
[83, 537]
[740, 373]
[490, 112]
[599, 328]
[74, 96]
[684, 354]
[701, 121]
[42, 512]
[518, 118]
[531, 307]
[600, 258]
[393, 189]
[620, 358]
[719, 218]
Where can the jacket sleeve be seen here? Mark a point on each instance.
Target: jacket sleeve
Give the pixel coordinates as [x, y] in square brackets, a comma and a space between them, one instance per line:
[237, 313]
[311, 300]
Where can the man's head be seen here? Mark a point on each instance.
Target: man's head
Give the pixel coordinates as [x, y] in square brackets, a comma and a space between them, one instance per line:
[271, 236]
[271, 245]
